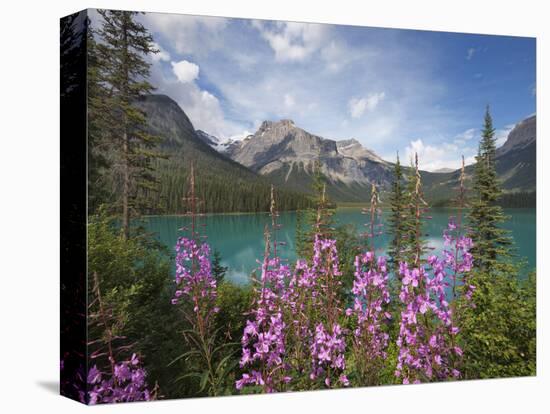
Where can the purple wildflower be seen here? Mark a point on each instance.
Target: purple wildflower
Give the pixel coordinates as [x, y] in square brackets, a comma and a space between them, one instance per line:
[327, 352]
[263, 341]
[371, 294]
[428, 327]
[126, 384]
[194, 278]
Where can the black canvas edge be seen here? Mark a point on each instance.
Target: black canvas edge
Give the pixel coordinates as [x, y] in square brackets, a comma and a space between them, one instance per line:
[73, 206]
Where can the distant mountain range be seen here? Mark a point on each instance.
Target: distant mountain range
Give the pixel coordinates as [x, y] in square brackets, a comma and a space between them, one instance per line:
[222, 184]
[284, 154]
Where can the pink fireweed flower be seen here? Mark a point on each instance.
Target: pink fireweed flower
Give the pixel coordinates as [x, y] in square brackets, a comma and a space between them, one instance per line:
[458, 259]
[370, 296]
[314, 286]
[325, 257]
[426, 345]
[327, 352]
[194, 277]
[263, 341]
[127, 384]
[327, 339]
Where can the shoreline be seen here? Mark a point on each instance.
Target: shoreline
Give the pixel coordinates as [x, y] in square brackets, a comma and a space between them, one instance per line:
[341, 207]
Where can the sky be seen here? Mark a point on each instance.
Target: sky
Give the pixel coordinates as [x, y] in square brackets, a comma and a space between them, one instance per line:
[392, 90]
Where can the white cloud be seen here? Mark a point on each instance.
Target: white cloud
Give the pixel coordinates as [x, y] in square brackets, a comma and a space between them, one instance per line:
[185, 71]
[203, 109]
[501, 135]
[432, 157]
[273, 97]
[289, 101]
[162, 54]
[320, 69]
[177, 35]
[188, 34]
[470, 53]
[300, 41]
[292, 41]
[466, 136]
[336, 56]
[435, 157]
[242, 135]
[272, 70]
[358, 106]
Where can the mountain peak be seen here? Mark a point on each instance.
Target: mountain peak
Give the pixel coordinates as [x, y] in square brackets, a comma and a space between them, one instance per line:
[353, 148]
[523, 134]
[347, 142]
[444, 170]
[283, 123]
[207, 138]
[288, 153]
[164, 114]
[286, 122]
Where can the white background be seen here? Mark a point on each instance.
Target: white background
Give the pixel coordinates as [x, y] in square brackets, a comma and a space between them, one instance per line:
[29, 204]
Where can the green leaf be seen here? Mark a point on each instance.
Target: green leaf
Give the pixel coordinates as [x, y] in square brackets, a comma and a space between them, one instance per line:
[184, 355]
[189, 375]
[204, 381]
[223, 361]
[219, 348]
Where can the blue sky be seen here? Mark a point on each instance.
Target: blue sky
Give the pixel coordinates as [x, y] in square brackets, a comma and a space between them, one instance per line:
[393, 90]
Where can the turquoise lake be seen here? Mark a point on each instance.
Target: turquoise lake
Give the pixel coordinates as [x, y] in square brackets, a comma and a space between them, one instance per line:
[239, 237]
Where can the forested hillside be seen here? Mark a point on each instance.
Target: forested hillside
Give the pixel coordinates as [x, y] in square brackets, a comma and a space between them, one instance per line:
[223, 184]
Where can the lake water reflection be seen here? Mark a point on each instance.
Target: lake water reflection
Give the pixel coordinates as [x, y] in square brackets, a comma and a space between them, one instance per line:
[239, 237]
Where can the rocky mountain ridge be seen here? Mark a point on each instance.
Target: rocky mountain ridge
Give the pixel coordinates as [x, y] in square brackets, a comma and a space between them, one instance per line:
[224, 184]
[521, 136]
[285, 155]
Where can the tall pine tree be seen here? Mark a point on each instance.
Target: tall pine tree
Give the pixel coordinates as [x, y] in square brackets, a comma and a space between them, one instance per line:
[321, 220]
[486, 216]
[396, 220]
[315, 220]
[99, 146]
[413, 242]
[498, 326]
[123, 71]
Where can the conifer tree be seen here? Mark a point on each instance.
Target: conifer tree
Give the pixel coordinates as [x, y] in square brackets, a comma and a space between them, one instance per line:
[98, 142]
[498, 331]
[374, 219]
[318, 219]
[322, 219]
[413, 243]
[123, 70]
[486, 216]
[396, 220]
[218, 270]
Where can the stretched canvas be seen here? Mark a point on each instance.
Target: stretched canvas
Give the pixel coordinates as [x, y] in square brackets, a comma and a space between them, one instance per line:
[253, 206]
